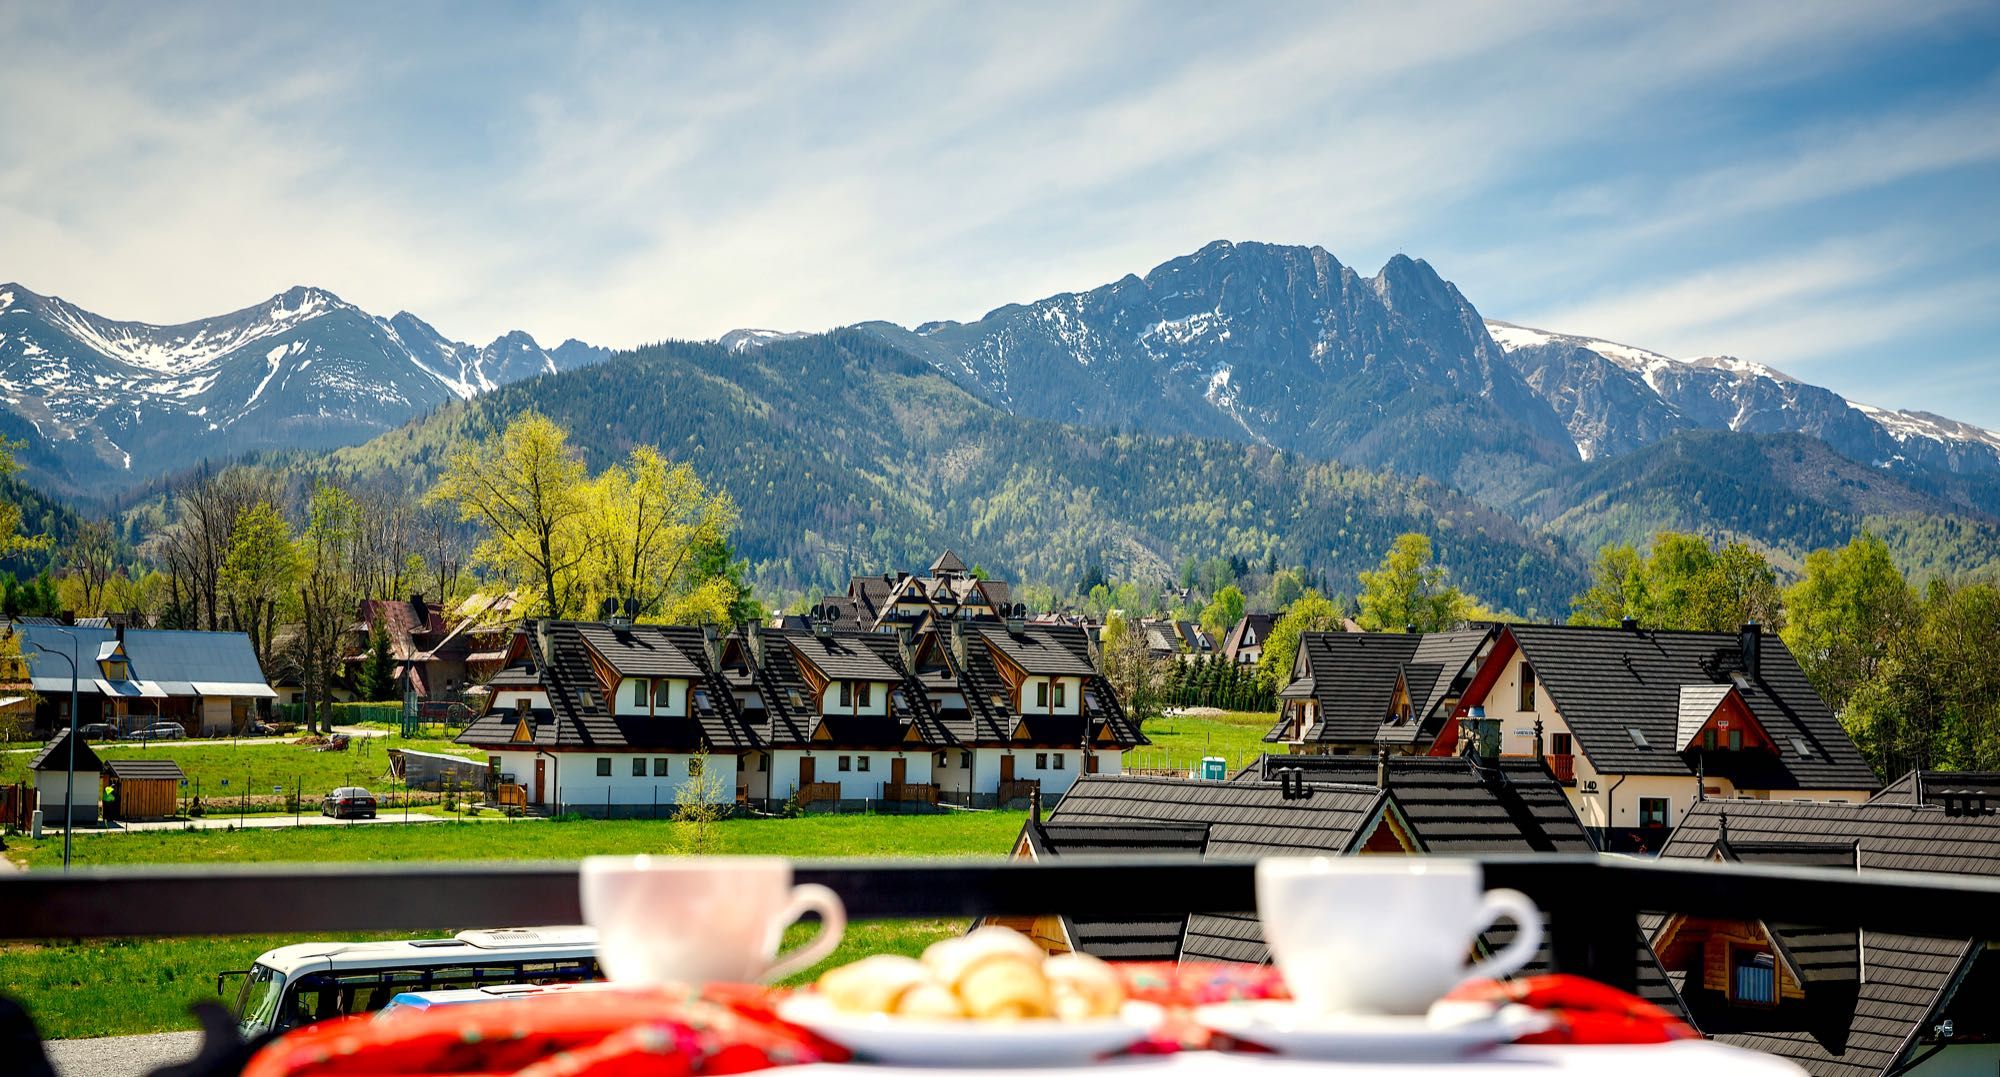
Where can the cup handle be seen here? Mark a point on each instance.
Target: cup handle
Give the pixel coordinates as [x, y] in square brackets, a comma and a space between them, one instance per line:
[1518, 907]
[808, 897]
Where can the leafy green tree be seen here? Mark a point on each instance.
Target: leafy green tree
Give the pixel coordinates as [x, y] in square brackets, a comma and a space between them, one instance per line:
[1617, 588]
[257, 574]
[1223, 612]
[526, 491]
[1683, 582]
[1139, 679]
[328, 590]
[1311, 613]
[1844, 615]
[1286, 587]
[1934, 701]
[1409, 590]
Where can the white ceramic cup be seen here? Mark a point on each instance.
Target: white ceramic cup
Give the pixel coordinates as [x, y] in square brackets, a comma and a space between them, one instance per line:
[702, 919]
[1385, 934]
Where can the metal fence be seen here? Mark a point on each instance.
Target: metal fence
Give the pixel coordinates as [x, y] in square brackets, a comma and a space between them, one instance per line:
[1591, 901]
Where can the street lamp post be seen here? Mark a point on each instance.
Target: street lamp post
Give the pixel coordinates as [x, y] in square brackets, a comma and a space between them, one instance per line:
[69, 774]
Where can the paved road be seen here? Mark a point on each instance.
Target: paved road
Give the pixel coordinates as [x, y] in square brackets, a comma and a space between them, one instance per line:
[210, 742]
[122, 1056]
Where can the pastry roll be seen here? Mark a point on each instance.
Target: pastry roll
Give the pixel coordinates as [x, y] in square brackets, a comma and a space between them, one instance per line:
[873, 984]
[1083, 987]
[1004, 987]
[930, 1000]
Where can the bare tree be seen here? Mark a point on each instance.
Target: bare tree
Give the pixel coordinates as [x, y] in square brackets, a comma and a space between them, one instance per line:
[91, 558]
[195, 546]
[327, 598]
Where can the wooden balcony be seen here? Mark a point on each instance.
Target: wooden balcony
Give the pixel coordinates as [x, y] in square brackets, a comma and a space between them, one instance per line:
[815, 792]
[510, 795]
[910, 792]
[1019, 789]
[1563, 767]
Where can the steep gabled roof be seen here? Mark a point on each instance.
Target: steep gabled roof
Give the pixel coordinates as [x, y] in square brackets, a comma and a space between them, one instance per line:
[1936, 787]
[1453, 805]
[637, 651]
[1248, 632]
[840, 657]
[55, 755]
[1119, 938]
[143, 769]
[580, 717]
[1042, 650]
[1354, 676]
[1907, 977]
[1609, 682]
[990, 709]
[948, 562]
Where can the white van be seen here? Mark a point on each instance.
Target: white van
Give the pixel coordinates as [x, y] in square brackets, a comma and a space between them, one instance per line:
[313, 981]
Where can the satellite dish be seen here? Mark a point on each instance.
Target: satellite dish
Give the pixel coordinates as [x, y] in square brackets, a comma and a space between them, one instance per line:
[607, 607]
[632, 607]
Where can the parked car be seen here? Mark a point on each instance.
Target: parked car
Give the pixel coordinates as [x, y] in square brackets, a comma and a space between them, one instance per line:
[162, 731]
[97, 731]
[349, 802]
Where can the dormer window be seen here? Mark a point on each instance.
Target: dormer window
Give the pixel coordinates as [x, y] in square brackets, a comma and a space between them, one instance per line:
[115, 669]
[1041, 693]
[1059, 693]
[847, 693]
[638, 693]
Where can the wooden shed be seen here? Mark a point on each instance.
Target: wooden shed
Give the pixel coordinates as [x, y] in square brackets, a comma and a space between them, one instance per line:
[147, 788]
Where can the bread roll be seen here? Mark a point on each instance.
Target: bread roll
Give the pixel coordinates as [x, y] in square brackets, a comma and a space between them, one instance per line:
[873, 984]
[952, 959]
[1004, 987]
[1083, 987]
[930, 1000]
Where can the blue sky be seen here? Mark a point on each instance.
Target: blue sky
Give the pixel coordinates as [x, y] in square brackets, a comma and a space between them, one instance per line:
[1815, 186]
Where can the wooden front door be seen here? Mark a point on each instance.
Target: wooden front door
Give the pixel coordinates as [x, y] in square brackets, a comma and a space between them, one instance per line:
[1090, 762]
[899, 770]
[1006, 768]
[806, 772]
[541, 768]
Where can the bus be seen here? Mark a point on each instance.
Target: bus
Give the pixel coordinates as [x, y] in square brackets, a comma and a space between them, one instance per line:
[314, 981]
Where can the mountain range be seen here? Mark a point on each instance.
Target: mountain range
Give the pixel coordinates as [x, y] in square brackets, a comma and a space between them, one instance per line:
[105, 405]
[1246, 399]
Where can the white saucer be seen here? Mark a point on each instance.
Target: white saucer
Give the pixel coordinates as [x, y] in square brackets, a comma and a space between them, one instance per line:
[1281, 1026]
[906, 1041]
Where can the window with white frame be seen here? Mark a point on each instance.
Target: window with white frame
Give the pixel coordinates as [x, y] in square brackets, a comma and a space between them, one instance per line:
[1041, 693]
[846, 763]
[638, 693]
[1059, 692]
[861, 763]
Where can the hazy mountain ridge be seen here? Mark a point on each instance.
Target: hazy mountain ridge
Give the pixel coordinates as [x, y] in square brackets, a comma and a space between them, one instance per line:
[106, 405]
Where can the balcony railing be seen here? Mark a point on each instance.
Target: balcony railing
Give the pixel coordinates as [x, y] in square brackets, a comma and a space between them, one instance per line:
[1563, 767]
[1591, 902]
[910, 792]
[1019, 789]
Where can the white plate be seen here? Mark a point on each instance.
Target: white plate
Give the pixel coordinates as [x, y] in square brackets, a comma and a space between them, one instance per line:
[906, 1041]
[1282, 1027]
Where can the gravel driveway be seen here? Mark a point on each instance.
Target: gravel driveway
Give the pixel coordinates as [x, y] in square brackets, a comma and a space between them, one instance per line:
[122, 1056]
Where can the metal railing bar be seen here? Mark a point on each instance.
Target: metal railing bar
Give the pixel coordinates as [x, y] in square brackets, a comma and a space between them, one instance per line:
[1593, 896]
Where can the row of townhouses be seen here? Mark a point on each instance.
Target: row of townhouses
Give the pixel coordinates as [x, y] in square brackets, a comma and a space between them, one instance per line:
[623, 719]
[1637, 725]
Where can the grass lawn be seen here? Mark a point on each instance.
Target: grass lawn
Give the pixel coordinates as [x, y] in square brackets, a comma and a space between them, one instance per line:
[1180, 741]
[103, 987]
[125, 987]
[952, 834]
[261, 764]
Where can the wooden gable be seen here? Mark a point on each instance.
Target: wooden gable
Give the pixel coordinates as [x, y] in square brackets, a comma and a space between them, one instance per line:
[1733, 715]
[815, 678]
[523, 732]
[1010, 671]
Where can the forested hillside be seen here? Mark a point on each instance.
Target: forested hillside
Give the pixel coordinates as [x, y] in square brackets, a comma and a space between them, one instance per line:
[846, 455]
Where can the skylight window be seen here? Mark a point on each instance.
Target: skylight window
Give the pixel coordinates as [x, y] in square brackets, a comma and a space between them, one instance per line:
[1638, 738]
[1800, 746]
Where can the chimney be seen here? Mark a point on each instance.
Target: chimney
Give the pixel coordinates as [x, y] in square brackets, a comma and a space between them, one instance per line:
[1753, 646]
[1292, 784]
[422, 611]
[1629, 623]
[1410, 630]
[542, 644]
[1481, 736]
[958, 644]
[1382, 768]
[753, 635]
[712, 645]
[1035, 805]
[906, 644]
[120, 629]
[1017, 621]
[68, 617]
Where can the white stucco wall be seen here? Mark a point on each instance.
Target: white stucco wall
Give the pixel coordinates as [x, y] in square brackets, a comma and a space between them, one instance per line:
[509, 699]
[572, 777]
[1072, 691]
[870, 697]
[672, 703]
[51, 784]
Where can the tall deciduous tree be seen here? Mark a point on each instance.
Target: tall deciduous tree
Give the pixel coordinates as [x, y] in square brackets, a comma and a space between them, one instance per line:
[90, 561]
[648, 524]
[258, 573]
[1139, 678]
[1409, 590]
[1312, 612]
[1683, 582]
[1223, 612]
[526, 491]
[327, 597]
[1844, 615]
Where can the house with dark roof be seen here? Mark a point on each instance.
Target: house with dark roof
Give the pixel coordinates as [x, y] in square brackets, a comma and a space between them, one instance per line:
[611, 719]
[1834, 1000]
[1942, 789]
[969, 713]
[898, 600]
[1359, 692]
[1244, 644]
[438, 653]
[209, 683]
[1640, 724]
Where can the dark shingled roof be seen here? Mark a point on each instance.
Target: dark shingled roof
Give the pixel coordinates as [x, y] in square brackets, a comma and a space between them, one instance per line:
[1114, 938]
[1905, 979]
[55, 755]
[948, 562]
[579, 717]
[637, 651]
[144, 770]
[1454, 806]
[1245, 821]
[1354, 676]
[990, 713]
[1608, 681]
[1042, 650]
[1936, 786]
[841, 657]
